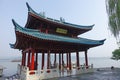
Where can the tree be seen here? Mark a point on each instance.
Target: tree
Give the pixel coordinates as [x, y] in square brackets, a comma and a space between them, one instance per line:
[116, 54]
[113, 11]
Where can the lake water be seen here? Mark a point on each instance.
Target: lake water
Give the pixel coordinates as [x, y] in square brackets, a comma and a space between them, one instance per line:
[11, 67]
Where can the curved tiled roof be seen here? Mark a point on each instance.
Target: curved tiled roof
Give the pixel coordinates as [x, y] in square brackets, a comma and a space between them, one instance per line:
[59, 21]
[51, 37]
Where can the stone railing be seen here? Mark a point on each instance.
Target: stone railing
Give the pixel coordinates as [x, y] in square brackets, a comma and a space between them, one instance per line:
[74, 66]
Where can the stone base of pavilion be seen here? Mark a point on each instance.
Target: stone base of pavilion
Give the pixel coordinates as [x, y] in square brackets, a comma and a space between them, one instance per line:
[26, 74]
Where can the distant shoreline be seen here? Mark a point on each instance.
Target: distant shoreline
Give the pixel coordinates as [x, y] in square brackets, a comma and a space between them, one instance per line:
[16, 60]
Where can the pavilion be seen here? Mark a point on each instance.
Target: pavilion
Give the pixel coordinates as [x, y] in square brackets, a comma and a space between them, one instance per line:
[46, 36]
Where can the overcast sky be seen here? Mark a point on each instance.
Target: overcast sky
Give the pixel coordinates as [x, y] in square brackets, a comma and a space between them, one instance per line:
[81, 12]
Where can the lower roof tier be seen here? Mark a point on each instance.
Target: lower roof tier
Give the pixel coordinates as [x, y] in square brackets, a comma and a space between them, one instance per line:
[27, 38]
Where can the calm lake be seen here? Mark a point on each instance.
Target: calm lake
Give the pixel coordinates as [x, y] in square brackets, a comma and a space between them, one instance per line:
[11, 67]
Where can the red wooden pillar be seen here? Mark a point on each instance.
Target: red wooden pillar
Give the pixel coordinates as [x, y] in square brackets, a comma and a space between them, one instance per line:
[77, 59]
[46, 31]
[32, 67]
[86, 59]
[55, 59]
[48, 60]
[36, 61]
[23, 59]
[60, 61]
[69, 61]
[40, 28]
[28, 61]
[43, 55]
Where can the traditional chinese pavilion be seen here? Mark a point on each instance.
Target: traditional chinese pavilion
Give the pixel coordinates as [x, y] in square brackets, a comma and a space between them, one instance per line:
[46, 36]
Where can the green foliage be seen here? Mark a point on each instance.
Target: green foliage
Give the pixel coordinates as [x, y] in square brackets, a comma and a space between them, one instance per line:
[116, 54]
[113, 11]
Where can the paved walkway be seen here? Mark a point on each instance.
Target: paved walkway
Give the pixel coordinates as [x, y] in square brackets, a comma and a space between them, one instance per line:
[100, 74]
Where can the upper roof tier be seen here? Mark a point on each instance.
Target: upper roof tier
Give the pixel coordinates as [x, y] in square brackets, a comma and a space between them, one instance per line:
[34, 16]
[36, 34]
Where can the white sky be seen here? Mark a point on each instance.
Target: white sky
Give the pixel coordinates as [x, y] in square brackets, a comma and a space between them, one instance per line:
[82, 12]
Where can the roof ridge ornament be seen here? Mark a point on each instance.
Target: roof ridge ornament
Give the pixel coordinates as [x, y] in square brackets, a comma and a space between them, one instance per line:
[62, 19]
[42, 14]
